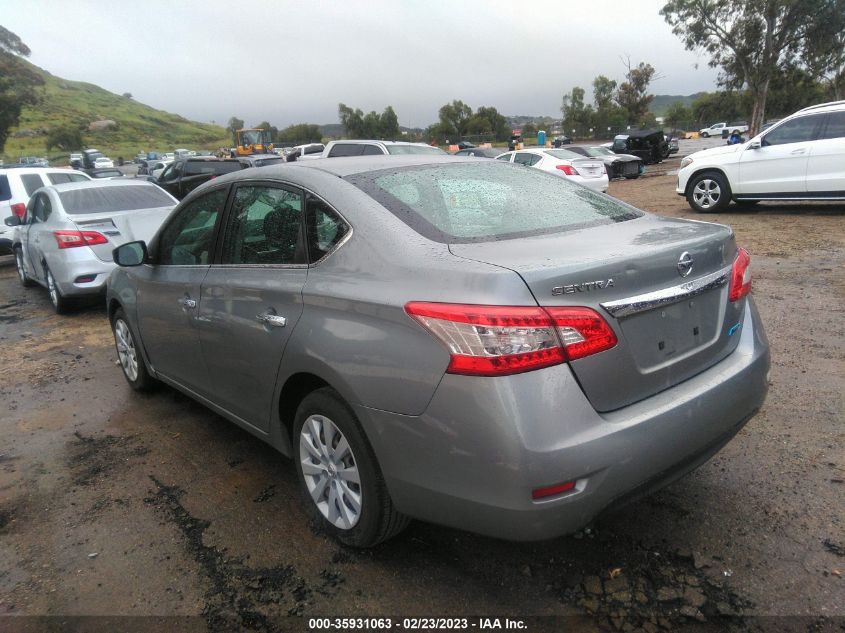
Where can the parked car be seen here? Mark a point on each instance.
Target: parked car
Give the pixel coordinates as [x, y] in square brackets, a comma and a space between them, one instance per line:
[75, 159]
[674, 147]
[305, 152]
[649, 145]
[102, 162]
[561, 140]
[65, 240]
[617, 165]
[589, 172]
[89, 158]
[186, 174]
[33, 161]
[337, 149]
[802, 157]
[738, 127]
[261, 160]
[140, 158]
[481, 152]
[16, 188]
[477, 345]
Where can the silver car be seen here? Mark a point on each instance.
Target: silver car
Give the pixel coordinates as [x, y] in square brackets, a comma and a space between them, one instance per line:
[65, 239]
[457, 340]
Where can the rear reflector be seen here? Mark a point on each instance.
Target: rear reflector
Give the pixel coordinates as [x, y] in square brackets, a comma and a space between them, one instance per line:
[19, 210]
[569, 170]
[84, 279]
[503, 340]
[551, 491]
[740, 276]
[72, 239]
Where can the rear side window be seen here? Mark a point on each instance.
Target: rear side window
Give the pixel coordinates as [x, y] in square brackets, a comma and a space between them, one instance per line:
[31, 182]
[347, 149]
[194, 168]
[414, 149]
[835, 125]
[325, 228]
[264, 227]
[111, 199]
[487, 201]
[5, 189]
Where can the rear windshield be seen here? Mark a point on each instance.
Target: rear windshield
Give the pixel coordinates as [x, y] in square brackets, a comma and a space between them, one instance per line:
[414, 149]
[268, 161]
[196, 167]
[110, 199]
[486, 201]
[563, 153]
[5, 190]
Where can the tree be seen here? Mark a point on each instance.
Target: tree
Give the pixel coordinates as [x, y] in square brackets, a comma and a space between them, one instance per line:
[272, 130]
[497, 124]
[18, 82]
[576, 115]
[390, 124]
[677, 114]
[127, 95]
[632, 94]
[234, 125]
[454, 118]
[299, 133]
[351, 120]
[66, 138]
[751, 40]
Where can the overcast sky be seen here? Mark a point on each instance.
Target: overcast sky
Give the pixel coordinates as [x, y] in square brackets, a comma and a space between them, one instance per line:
[291, 62]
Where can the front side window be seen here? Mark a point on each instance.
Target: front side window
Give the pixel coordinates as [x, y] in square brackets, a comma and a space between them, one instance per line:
[264, 227]
[797, 130]
[31, 182]
[187, 240]
[487, 201]
[41, 209]
[325, 228]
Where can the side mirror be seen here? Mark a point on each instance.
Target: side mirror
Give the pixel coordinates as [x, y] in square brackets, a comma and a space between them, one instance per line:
[12, 220]
[130, 254]
[755, 144]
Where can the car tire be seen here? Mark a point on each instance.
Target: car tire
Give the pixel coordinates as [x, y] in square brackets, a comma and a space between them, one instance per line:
[634, 177]
[705, 135]
[60, 303]
[708, 192]
[327, 442]
[26, 282]
[129, 354]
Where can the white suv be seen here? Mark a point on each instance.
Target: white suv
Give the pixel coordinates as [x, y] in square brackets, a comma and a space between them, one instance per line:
[337, 149]
[17, 186]
[802, 157]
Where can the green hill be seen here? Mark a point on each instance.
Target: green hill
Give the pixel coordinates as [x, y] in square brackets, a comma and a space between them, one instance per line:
[137, 126]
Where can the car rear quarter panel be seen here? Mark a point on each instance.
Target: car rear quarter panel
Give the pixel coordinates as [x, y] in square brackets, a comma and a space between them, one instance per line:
[354, 332]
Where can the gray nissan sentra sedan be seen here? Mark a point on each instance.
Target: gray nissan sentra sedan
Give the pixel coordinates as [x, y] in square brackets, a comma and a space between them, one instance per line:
[462, 341]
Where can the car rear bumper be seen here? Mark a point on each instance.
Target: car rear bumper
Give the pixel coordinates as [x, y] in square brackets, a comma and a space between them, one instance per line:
[74, 263]
[473, 458]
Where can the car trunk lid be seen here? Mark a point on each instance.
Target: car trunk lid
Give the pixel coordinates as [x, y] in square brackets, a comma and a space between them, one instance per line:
[588, 168]
[623, 271]
[120, 227]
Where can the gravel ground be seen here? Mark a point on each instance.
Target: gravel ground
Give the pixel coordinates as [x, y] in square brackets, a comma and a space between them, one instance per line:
[150, 505]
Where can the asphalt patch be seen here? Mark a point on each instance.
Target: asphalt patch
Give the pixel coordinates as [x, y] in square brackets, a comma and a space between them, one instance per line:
[92, 458]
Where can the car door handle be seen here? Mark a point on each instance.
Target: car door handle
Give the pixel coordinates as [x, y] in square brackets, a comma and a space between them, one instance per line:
[187, 303]
[798, 151]
[273, 320]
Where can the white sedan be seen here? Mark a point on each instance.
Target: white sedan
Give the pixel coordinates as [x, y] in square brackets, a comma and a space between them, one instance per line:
[102, 162]
[589, 172]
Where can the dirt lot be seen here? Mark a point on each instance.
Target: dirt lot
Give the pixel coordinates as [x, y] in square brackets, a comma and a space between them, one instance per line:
[116, 503]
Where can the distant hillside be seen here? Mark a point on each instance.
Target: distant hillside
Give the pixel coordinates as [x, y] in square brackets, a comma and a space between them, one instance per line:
[660, 104]
[137, 126]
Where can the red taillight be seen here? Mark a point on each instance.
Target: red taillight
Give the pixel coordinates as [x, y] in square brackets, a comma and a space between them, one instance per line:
[72, 239]
[502, 340]
[551, 491]
[569, 170]
[19, 210]
[740, 276]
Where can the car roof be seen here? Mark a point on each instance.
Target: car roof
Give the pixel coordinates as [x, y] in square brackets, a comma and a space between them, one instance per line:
[373, 140]
[36, 170]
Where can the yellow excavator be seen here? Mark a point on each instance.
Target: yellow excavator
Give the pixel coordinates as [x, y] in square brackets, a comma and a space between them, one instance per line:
[252, 141]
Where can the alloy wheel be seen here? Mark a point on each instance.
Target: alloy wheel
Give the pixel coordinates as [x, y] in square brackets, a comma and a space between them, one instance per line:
[330, 471]
[707, 193]
[126, 351]
[51, 288]
[19, 264]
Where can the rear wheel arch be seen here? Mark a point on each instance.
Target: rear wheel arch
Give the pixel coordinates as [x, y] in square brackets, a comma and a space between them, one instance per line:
[293, 392]
[114, 306]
